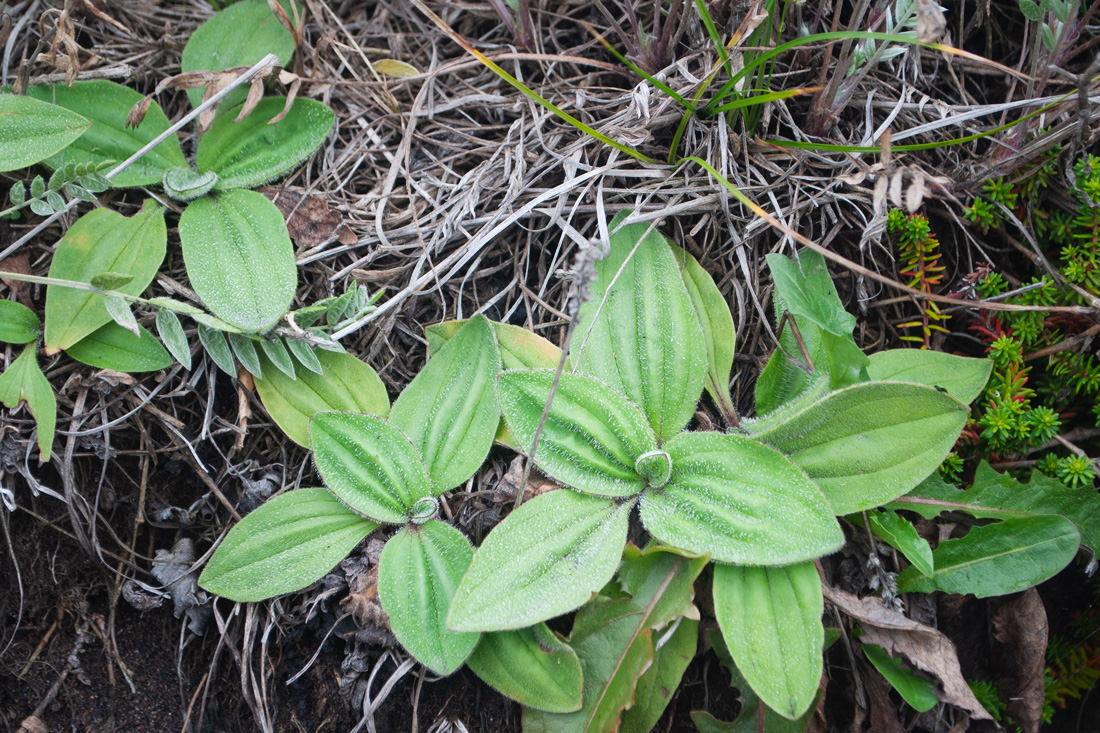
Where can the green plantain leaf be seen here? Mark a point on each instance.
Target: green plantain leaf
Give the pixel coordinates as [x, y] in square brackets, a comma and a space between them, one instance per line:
[771, 622]
[24, 381]
[741, 502]
[32, 130]
[545, 559]
[644, 338]
[870, 443]
[252, 152]
[999, 558]
[239, 258]
[449, 411]
[346, 385]
[369, 464]
[285, 545]
[101, 241]
[114, 347]
[962, 377]
[900, 534]
[18, 323]
[917, 691]
[593, 437]
[519, 348]
[107, 104]
[418, 572]
[531, 666]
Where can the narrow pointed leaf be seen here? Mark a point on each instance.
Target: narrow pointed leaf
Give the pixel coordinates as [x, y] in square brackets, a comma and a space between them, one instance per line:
[672, 653]
[245, 350]
[418, 572]
[277, 354]
[32, 130]
[771, 622]
[305, 355]
[962, 377]
[519, 348]
[171, 333]
[917, 691]
[101, 241]
[218, 349]
[531, 666]
[239, 258]
[114, 347]
[120, 313]
[450, 411]
[18, 323]
[24, 381]
[900, 534]
[285, 545]
[741, 502]
[544, 560]
[592, 438]
[369, 464]
[643, 339]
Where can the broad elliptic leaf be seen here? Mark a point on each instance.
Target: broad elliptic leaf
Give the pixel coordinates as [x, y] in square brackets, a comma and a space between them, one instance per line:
[592, 438]
[252, 152]
[369, 464]
[18, 323]
[963, 378]
[741, 502]
[240, 35]
[997, 559]
[106, 105]
[870, 443]
[101, 241]
[900, 534]
[718, 331]
[519, 348]
[284, 546]
[915, 690]
[239, 258]
[113, 347]
[771, 622]
[418, 572]
[449, 411]
[641, 335]
[531, 666]
[24, 381]
[545, 559]
[347, 384]
[32, 130]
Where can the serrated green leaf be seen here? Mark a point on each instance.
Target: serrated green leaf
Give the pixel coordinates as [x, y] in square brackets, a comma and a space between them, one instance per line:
[999, 558]
[741, 502]
[672, 653]
[418, 572]
[962, 377]
[24, 381]
[519, 348]
[771, 622]
[870, 443]
[305, 355]
[277, 354]
[101, 241]
[643, 338]
[917, 691]
[239, 258]
[110, 280]
[592, 437]
[32, 130]
[345, 385]
[369, 464]
[900, 534]
[252, 152]
[106, 104]
[287, 544]
[450, 410]
[218, 349]
[119, 311]
[18, 323]
[531, 666]
[803, 287]
[113, 347]
[545, 559]
[171, 333]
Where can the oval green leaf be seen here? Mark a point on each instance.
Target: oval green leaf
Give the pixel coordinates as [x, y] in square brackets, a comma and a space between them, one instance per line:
[545, 559]
[113, 347]
[870, 443]
[741, 502]
[531, 666]
[239, 258]
[418, 573]
[24, 381]
[284, 546]
[592, 437]
[18, 323]
[450, 411]
[32, 130]
[771, 622]
[963, 378]
[369, 464]
[101, 241]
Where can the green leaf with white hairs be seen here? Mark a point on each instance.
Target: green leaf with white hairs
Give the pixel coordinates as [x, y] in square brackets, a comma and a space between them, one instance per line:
[963, 378]
[113, 347]
[18, 323]
[285, 545]
[592, 438]
[239, 258]
[218, 349]
[24, 381]
[771, 622]
[245, 350]
[418, 573]
[531, 666]
[519, 348]
[171, 333]
[545, 559]
[305, 355]
[110, 280]
[369, 464]
[739, 501]
[184, 184]
[449, 411]
[175, 305]
[119, 311]
[32, 130]
[277, 354]
[639, 333]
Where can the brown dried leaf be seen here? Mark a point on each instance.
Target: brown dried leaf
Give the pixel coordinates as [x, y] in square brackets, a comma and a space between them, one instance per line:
[19, 264]
[931, 25]
[537, 483]
[136, 115]
[1021, 623]
[255, 94]
[290, 95]
[309, 219]
[362, 601]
